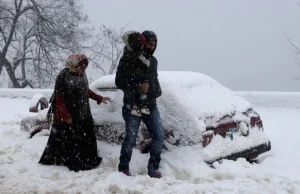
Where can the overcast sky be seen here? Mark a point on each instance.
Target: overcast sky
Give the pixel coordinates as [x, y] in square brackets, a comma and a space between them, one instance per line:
[240, 43]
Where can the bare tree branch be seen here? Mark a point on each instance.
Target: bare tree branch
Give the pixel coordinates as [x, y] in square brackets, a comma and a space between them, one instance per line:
[16, 5]
[10, 72]
[12, 31]
[4, 9]
[4, 37]
[297, 48]
[107, 49]
[99, 67]
[6, 17]
[1, 67]
[296, 51]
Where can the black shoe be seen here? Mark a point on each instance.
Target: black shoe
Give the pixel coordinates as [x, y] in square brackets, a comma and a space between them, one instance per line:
[154, 173]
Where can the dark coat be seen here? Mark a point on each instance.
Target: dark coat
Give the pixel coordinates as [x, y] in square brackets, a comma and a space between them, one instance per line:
[72, 145]
[131, 72]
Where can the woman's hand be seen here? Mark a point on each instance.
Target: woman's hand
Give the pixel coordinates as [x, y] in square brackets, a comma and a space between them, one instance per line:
[104, 100]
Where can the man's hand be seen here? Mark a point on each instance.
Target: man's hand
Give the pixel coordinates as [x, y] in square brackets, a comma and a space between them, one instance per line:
[104, 100]
[144, 88]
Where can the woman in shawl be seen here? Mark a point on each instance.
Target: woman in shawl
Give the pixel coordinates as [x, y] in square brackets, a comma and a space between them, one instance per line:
[72, 141]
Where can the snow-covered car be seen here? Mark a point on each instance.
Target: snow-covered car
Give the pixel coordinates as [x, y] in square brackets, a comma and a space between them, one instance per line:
[195, 109]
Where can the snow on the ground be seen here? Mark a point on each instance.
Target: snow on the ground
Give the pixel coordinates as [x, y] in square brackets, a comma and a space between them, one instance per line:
[272, 99]
[23, 93]
[13, 110]
[182, 168]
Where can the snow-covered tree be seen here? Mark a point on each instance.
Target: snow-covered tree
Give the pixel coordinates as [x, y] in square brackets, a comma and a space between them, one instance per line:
[36, 36]
[296, 50]
[106, 50]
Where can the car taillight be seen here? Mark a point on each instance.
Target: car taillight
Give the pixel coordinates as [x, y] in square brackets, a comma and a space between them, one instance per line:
[256, 122]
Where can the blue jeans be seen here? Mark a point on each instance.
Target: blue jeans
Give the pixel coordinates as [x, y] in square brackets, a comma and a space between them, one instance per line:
[132, 123]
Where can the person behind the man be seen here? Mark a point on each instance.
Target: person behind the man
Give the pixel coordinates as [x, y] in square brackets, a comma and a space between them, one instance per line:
[139, 51]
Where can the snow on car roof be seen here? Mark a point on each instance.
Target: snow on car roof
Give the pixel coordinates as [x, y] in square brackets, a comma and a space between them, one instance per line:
[183, 78]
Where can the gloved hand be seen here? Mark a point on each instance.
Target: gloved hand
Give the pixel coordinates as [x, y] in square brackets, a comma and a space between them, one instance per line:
[144, 88]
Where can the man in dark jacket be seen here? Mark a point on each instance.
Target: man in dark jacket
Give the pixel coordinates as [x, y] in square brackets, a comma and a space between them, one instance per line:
[132, 68]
